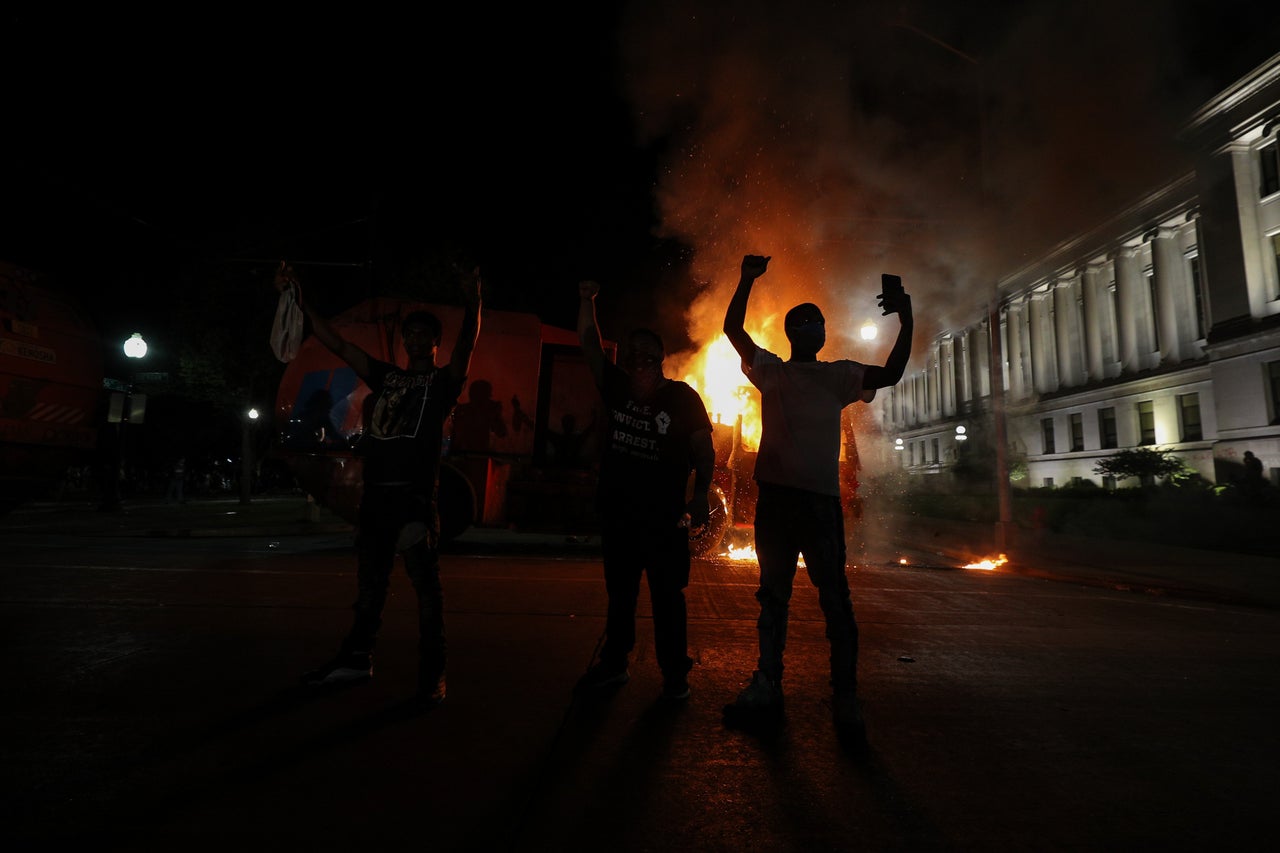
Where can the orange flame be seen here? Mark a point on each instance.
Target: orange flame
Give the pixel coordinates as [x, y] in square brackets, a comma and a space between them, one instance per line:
[988, 563]
[715, 372]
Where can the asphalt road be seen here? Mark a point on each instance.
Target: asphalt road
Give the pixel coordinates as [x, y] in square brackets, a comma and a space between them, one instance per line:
[150, 705]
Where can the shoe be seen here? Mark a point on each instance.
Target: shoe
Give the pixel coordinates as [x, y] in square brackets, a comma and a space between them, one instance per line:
[675, 687]
[759, 701]
[347, 667]
[604, 674]
[431, 691]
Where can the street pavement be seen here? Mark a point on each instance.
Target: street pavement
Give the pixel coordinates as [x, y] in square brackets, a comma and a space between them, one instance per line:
[1141, 567]
[1075, 701]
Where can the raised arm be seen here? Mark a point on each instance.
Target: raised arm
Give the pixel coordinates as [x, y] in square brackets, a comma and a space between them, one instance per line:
[325, 333]
[465, 345]
[896, 364]
[589, 331]
[753, 266]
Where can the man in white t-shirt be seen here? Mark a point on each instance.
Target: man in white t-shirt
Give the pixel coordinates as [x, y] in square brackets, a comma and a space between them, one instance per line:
[797, 472]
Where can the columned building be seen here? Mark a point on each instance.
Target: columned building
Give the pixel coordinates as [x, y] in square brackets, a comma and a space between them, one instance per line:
[1159, 327]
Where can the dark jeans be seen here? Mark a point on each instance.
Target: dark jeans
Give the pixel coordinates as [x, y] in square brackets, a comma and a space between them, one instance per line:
[662, 556]
[397, 519]
[790, 522]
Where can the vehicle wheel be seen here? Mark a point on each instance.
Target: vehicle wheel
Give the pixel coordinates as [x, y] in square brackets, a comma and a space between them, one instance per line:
[706, 539]
[457, 502]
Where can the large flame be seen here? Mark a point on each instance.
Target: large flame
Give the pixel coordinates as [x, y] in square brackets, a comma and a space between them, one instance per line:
[715, 372]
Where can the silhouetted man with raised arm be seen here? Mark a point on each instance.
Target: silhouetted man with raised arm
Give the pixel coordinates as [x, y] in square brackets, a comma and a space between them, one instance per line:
[798, 510]
[399, 513]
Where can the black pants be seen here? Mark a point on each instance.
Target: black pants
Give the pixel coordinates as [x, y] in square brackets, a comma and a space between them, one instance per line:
[662, 556]
[396, 519]
[790, 522]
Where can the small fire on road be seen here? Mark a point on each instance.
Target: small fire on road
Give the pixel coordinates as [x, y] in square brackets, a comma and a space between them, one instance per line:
[988, 563]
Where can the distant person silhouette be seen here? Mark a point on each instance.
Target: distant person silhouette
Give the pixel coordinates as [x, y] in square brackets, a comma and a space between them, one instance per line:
[1253, 480]
[178, 481]
[568, 444]
[798, 508]
[478, 420]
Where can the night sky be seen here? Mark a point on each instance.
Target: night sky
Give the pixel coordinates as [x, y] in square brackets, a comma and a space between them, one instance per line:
[647, 145]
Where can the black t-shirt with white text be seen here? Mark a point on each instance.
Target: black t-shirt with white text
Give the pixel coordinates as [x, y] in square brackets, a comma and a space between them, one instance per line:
[644, 474]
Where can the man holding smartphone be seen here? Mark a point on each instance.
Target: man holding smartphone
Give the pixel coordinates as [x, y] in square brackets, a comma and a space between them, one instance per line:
[798, 510]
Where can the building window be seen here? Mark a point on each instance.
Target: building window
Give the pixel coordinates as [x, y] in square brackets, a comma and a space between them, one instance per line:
[1189, 414]
[1273, 384]
[1146, 423]
[1107, 428]
[1193, 262]
[1109, 483]
[1155, 310]
[1046, 428]
[1269, 157]
[1077, 432]
[1048, 482]
[937, 457]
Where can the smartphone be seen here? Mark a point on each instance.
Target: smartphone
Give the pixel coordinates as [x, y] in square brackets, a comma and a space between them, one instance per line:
[890, 283]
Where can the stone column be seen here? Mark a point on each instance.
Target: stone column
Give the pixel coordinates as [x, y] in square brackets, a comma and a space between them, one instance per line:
[1129, 306]
[1044, 348]
[1066, 314]
[1013, 353]
[1095, 320]
[1230, 252]
[1172, 295]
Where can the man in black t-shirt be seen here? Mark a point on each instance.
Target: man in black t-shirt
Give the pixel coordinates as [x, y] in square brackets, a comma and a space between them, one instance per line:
[657, 433]
[407, 408]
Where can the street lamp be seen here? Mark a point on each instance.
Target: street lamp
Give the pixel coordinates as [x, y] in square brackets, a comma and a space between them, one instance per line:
[135, 346]
[246, 455]
[869, 330]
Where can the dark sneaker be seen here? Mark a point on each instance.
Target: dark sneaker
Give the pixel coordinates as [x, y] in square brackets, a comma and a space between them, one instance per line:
[675, 687]
[346, 668]
[431, 691]
[759, 702]
[604, 674]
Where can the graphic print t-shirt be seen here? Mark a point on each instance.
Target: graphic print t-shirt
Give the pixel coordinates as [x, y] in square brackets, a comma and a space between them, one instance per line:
[646, 464]
[404, 423]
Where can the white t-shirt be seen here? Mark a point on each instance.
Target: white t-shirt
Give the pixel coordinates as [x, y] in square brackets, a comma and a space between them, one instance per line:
[800, 406]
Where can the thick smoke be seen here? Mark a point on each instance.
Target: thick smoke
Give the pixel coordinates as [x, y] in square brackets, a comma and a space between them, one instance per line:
[945, 142]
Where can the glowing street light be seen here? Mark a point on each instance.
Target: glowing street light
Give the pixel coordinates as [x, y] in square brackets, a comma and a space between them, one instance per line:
[897, 444]
[869, 330]
[960, 433]
[135, 346]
